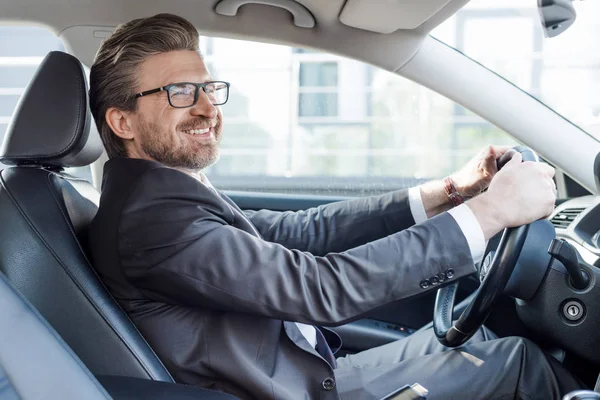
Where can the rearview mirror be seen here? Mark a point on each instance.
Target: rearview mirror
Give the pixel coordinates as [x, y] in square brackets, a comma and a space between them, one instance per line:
[556, 16]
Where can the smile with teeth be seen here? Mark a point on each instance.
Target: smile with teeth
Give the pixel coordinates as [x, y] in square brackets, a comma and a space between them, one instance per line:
[197, 131]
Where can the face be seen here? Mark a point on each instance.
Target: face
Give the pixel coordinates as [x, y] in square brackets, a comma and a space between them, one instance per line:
[183, 138]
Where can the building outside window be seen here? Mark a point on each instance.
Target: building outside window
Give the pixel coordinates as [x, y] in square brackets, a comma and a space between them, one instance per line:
[318, 89]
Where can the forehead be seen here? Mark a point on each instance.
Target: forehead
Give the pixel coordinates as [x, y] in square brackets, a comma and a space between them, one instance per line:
[174, 66]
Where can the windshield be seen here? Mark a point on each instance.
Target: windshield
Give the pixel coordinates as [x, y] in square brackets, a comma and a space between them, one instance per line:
[506, 36]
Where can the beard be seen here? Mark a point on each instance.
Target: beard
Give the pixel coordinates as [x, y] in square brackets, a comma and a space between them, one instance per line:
[170, 149]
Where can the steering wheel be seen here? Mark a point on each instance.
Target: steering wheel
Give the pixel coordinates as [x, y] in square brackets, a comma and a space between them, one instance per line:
[494, 276]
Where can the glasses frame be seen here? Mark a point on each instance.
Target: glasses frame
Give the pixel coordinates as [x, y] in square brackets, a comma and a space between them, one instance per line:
[199, 86]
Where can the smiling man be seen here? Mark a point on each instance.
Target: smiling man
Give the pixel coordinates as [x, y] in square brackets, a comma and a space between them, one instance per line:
[231, 300]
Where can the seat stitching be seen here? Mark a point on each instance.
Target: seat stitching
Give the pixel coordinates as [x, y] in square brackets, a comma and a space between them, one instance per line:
[67, 220]
[26, 218]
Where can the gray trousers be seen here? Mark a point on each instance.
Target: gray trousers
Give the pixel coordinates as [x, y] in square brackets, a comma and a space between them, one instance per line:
[485, 368]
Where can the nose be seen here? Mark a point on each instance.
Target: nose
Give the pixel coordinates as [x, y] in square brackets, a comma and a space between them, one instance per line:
[204, 107]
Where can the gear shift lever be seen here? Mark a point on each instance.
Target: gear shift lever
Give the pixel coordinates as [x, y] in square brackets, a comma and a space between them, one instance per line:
[567, 255]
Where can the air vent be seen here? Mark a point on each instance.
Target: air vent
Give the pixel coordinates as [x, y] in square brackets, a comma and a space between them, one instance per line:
[564, 217]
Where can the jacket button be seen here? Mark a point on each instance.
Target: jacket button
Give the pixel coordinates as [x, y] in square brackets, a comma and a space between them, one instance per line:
[434, 280]
[328, 383]
[425, 284]
[442, 277]
[450, 273]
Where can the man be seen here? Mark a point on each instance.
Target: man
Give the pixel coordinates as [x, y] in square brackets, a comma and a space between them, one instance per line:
[230, 300]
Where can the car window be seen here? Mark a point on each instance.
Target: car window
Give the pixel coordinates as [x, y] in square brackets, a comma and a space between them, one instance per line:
[300, 121]
[563, 71]
[22, 48]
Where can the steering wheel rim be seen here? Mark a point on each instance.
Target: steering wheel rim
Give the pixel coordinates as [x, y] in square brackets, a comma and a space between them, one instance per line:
[495, 279]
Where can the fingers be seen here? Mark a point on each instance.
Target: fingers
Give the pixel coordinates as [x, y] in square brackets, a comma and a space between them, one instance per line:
[514, 161]
[551, 184]
[487, 164]
[498, 151]
[547, 169]
[552, 205]
[549, 211]
[549, 197]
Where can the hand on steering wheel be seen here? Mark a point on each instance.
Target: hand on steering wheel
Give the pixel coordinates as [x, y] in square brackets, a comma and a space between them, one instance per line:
[494, 281]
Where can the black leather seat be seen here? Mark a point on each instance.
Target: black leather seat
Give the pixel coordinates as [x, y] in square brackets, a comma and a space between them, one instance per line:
[43, 213]
[36, 364]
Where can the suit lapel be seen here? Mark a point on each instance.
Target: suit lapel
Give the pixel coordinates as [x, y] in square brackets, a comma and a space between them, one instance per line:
[292, 331]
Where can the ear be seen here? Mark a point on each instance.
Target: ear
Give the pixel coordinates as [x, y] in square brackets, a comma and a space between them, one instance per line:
[118, 121]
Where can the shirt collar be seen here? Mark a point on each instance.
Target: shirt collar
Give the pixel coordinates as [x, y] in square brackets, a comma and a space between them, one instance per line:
[204, 180]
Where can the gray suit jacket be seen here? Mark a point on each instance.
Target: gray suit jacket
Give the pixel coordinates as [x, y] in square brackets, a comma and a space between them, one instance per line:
[210, 287]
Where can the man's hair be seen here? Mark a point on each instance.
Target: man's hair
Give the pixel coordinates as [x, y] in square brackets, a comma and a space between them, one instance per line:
[113, 76]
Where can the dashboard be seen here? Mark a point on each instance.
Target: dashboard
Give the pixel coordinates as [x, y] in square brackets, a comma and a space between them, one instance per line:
[578, 221]
[568, 316]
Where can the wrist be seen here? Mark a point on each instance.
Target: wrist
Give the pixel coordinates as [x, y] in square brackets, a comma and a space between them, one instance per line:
[434, 198]
[461, 184]
[454, 194]
[467, 186]
[488, 213]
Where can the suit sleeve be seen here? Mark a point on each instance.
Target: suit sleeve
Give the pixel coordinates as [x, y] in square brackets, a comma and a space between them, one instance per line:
[177, 245]
[338, 226]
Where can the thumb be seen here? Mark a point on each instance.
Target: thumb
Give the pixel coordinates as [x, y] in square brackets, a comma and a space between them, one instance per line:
[516, 159]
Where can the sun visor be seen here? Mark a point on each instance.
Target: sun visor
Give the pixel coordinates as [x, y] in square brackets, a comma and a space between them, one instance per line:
[387, 16]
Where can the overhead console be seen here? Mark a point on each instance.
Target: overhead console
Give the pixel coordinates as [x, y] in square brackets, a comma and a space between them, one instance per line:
[379, 16]
[384, 16]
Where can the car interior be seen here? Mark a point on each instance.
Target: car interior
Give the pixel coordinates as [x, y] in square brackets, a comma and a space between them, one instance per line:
[66, 337]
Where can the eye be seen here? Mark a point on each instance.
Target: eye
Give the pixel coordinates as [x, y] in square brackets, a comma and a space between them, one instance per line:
[219, 86]
[210, 88]
[183, 90]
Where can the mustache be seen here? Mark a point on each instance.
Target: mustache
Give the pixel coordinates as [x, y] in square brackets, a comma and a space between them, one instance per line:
[198, 124]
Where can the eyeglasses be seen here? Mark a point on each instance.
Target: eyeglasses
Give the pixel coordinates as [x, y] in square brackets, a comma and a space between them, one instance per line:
[185, 94]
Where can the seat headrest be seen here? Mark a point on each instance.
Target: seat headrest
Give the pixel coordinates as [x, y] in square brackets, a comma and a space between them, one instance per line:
[51, 123]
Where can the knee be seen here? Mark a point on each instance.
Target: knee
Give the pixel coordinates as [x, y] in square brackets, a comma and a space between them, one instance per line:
[522, 345]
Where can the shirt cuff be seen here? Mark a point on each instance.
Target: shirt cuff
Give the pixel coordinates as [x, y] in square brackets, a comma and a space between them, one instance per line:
[415, 203]
[470, 227]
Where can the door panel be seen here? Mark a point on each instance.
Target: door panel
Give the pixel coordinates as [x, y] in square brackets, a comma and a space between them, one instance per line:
[279, 202]
[368, 333]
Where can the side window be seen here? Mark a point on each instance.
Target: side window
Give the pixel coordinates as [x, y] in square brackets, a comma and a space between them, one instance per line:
[318, 89]
[21, 51]
[300, 121]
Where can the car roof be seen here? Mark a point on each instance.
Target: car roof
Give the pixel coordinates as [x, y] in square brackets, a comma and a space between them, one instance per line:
[383, 33]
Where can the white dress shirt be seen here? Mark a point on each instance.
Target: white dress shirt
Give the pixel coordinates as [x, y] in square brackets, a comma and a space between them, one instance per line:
[463, 215]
